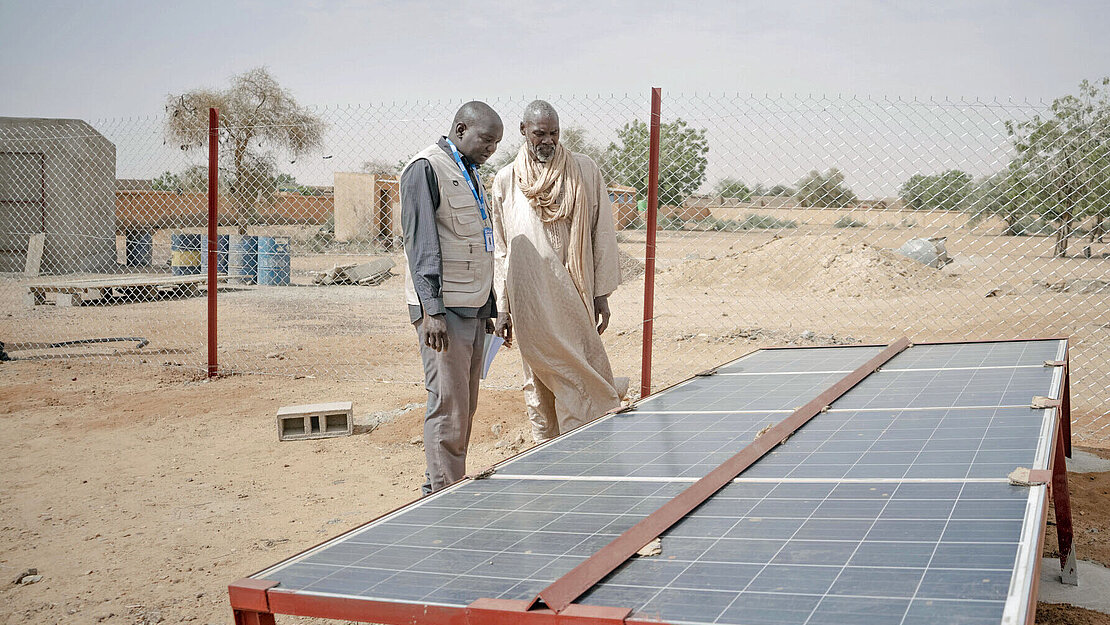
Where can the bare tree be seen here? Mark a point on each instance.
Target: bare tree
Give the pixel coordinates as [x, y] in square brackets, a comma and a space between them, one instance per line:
[256, 116]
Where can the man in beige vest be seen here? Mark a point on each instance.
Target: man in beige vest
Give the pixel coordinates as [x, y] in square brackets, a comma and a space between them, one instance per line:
[448, 242]
[555, 264]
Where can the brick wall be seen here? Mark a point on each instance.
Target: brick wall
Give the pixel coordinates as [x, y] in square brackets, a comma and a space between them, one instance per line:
[155, 209]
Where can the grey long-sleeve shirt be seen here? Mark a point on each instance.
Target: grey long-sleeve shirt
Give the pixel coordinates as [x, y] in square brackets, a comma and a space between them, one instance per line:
[420, 201]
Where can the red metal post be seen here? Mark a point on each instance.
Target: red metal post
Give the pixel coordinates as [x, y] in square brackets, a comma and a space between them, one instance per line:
[213, 220]
[1061, 501]
[649, 253]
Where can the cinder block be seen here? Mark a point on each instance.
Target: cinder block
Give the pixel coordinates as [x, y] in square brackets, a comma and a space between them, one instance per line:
[66, 300]
[296, 423]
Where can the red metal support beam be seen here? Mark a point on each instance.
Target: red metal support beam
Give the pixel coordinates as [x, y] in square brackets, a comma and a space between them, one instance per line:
[249, 601]
[1061, 501]
[565, 590]
[649, 251]
[1065, 405]
[213, 221]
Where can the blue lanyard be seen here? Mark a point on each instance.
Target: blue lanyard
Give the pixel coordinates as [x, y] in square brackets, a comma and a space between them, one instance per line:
[474, 188]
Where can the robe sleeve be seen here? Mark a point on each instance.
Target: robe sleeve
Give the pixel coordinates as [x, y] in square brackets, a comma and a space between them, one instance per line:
[607, 272]
[500, 245]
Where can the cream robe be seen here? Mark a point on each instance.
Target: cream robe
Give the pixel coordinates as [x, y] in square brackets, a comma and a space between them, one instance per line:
[568, 378]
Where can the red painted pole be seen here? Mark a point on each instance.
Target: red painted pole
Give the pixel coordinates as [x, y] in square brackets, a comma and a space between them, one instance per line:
[213, 220]
[649, 254]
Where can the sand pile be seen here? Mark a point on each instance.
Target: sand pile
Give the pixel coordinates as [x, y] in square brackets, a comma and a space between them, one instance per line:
[814, 264]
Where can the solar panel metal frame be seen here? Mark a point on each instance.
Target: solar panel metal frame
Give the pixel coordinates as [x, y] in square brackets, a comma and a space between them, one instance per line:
[256, 600]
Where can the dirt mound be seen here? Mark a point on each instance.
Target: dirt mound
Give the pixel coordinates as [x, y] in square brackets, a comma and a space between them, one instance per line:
[812, 264]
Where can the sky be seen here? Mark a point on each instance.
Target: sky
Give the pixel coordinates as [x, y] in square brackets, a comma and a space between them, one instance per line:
[388, 74]
[105, 59]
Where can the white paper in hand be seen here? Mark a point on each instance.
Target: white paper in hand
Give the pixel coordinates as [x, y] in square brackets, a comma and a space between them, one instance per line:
[493, 343]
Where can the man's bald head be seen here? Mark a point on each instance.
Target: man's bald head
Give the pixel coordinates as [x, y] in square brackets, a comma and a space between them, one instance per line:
[539, 109]
[476, 131]
[540, 128]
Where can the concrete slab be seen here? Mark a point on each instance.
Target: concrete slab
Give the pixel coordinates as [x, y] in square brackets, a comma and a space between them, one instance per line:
[1086, 462]
[1093, 591]
[34, 254]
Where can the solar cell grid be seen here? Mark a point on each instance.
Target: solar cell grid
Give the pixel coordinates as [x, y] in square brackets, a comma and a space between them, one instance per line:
[1009, 386]
[890, 508]
[802, 359]
[739, 393]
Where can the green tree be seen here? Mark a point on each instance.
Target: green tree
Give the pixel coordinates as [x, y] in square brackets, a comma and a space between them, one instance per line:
[733, 189]
[286, 182]
[167, 181]
[1002, 195]
[947, 191]
[824, 190]
[194, 179]
[257, 116]
[682, 159]
[1066, 159]
[780, 190]
[382, 168]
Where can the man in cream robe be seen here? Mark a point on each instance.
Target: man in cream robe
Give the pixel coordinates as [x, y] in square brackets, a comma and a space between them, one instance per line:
[555, 264]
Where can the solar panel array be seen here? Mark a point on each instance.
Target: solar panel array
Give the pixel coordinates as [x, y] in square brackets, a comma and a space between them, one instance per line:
[891, 507]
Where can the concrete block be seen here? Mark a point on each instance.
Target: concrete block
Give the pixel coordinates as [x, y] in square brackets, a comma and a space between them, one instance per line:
[33, 298]
[315, 421]
[66, 300]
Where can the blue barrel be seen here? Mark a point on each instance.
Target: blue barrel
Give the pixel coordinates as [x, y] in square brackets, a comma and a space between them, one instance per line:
[221, 254]
[242, 258]
[273, 261]
[138, 247]
[185, 250]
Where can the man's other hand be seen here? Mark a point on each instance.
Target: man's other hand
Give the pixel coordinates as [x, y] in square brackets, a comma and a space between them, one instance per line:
[435, 331]
[601, 313]
[504, 328]
[489, 326]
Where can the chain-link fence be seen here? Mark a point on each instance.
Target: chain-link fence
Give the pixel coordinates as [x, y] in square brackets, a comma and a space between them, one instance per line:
[782, 220]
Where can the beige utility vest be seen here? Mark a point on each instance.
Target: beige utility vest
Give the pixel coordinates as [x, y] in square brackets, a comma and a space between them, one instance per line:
[467, 273]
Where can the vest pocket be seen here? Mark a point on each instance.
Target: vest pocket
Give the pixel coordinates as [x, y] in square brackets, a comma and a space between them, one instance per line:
[461, 276]
[467, 222]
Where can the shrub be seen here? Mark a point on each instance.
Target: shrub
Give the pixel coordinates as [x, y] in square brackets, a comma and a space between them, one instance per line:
[846, 221]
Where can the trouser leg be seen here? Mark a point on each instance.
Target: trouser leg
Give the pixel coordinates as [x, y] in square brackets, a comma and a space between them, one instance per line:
[451, 379]
[539, 403]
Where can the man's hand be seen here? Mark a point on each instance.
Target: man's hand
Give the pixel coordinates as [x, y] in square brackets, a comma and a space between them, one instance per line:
[601, 313]
[504, 328]
[435, 331]
[489, 326]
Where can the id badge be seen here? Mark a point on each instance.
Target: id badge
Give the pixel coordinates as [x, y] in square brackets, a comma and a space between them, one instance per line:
[488, 233]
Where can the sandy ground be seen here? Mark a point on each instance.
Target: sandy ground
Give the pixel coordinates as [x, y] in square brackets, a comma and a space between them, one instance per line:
[139, 489]
[139, 493]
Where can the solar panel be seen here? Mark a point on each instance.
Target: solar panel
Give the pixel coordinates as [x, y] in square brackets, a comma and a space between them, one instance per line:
[892, 506]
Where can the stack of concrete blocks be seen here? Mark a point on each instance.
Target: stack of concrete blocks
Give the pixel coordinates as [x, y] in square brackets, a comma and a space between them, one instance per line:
[58, 179]
[329, 420]
[367, 208]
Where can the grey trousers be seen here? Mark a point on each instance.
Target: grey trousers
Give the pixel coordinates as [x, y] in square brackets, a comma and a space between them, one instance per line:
[451, 378]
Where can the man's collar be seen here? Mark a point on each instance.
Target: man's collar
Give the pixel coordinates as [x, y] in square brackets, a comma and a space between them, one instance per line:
[446, 148]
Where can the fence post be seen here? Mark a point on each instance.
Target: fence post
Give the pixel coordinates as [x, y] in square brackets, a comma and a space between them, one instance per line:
[649, 253]
[213, 221]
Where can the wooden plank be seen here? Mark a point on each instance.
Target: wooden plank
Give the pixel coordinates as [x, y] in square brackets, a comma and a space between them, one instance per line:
[34, 254]
[80, 286]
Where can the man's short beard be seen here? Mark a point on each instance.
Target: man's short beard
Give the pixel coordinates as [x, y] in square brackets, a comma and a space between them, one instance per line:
[535, 149]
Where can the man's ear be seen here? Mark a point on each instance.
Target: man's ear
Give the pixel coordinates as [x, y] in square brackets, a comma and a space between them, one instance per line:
[460, 129]
[522, 133]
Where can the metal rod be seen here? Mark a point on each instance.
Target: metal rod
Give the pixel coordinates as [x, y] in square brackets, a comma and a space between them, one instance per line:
[213, 220]
[565, 590]
[649, 253]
